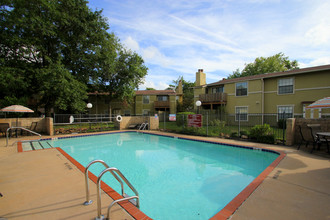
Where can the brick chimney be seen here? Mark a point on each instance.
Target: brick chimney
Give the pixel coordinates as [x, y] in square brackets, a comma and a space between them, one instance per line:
[200, 78]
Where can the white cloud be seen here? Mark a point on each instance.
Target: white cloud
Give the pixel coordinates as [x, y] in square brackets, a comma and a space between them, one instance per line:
[153, 55]
[179, 37]
[132, 44]
[320, 34]
[158, 85]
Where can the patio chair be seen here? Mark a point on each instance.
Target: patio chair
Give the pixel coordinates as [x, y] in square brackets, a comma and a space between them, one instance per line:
[315, 128]
[302, 138]
[3, 128]
[133, 126]
[32, 127]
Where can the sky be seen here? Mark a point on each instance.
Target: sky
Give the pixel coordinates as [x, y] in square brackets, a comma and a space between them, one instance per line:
[177, 37]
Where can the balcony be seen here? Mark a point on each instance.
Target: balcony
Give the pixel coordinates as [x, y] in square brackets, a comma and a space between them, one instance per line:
[215, 98]
[162, 104]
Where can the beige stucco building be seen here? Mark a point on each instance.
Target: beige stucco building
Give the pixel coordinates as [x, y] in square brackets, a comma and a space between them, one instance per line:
[289, 92]
[145, 102]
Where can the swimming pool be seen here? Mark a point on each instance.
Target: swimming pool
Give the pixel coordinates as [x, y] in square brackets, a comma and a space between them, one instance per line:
[175, 178]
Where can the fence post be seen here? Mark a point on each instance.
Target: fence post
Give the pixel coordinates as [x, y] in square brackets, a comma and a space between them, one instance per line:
[283, 127]
[183, 121]
[239, 124]
[207, 124]
[164, 120]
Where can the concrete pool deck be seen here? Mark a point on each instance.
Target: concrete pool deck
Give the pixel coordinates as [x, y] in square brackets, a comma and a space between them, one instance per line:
[44, 184]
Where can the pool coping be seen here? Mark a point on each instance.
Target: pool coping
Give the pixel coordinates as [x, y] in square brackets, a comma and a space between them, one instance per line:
[223, 214]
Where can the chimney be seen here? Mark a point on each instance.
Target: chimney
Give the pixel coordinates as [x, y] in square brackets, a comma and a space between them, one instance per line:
[200, 78]
[179, 89]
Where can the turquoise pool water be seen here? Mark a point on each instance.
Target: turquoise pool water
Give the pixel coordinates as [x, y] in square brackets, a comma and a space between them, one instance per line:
[175, 178]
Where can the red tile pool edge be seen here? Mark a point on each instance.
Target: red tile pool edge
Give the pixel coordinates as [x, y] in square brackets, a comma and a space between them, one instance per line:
[223, 214]
[233, 205]
[19, 147]
[129, 207]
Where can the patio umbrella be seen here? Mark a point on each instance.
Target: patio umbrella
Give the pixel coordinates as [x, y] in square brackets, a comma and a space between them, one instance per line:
[321, 103]
[18, 109]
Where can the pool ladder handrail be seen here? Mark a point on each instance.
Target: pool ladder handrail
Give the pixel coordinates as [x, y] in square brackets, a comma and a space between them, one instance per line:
[25, 129]
[113, 171]
[110, 169]
[143, 126]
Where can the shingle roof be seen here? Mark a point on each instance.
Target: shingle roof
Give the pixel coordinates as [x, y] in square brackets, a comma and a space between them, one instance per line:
[270, 75]
[141, 92]
[155, 92]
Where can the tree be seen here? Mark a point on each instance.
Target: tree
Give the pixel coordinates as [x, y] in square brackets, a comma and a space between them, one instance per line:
[51, 50]
[150, 89]
[261, 65]
[122, 78]
[188, 94]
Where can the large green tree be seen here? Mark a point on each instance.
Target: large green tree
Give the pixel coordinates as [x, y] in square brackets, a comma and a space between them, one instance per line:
[188, 94]
[277, 63]
[53, 51]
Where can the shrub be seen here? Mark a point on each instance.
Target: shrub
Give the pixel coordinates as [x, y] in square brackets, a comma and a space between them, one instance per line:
[193, 131]
[234, 135]
[243, 133]
[181, 118]
[262, 133]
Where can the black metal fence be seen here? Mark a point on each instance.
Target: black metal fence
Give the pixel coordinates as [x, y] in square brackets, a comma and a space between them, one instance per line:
[219, 124]
[213, 123]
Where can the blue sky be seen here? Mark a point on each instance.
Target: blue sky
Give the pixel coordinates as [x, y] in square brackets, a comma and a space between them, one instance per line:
[178, 37]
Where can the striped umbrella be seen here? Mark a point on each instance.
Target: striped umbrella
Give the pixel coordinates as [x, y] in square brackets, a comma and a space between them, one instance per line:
[18, 109]
[322, 103]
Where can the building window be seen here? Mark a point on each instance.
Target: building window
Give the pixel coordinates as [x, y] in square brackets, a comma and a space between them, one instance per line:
[241, 113]
[285, 112]
[241, 89]
[162, 98]
[146, 99]
[145, 112]
[285, 86]
[217, 90]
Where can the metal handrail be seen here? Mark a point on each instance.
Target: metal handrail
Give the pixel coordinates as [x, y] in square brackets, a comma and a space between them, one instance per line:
[25, 129]
[140, 128]
[88, 201]
[99, 216]
[143, 126]
[120, 200]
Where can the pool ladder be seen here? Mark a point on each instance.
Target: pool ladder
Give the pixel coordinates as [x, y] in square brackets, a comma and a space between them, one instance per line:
[143, 126]
[116, 173]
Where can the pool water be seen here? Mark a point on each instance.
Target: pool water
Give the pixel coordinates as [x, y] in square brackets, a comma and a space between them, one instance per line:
[175, 178]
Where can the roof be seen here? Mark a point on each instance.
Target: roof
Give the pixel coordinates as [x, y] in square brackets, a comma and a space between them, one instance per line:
[271, 75]
[155, 92]
[141, 92]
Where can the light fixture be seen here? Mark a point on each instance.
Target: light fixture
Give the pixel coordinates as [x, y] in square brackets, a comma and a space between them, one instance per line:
[198, 103]
[89, 105]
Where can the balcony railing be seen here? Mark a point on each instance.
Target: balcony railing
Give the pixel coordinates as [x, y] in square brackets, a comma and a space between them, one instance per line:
[162, 104]
[220, 98]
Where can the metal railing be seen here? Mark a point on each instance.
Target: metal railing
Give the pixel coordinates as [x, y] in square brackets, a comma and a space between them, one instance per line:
[115, 172]
[143, 126]
[110, 169]
[215, 97]
[25, 129]
[217, 123]
[119, 200]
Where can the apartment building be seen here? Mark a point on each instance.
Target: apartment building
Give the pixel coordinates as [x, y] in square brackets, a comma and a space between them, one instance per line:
[145, 102]
[286, 92]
